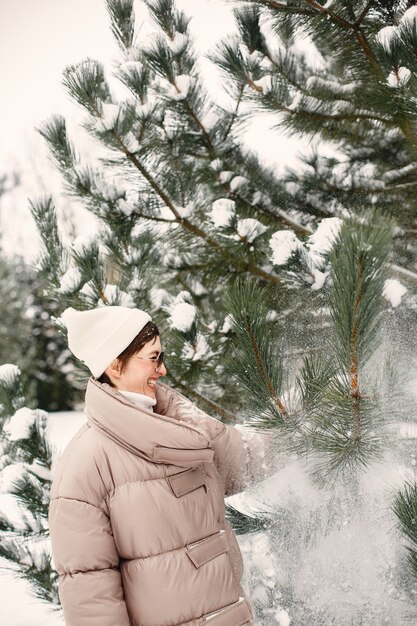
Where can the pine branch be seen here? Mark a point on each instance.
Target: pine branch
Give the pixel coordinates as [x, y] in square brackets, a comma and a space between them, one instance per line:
[296, 226]
[313, 380]
[152, 182]
[189, 226]
[118, 142]
[86, 96]
[89, 262]
[307, 230]
[153, 218]
[11, 395]
[270, 100]
[210, 405]
[273, 4]
[364, 12]
[337, 19]
[122, 21]
[242, 523]
[337, 117]
[233, 117]
[200, 126]
[40, 575]
[262, 369]
[31, 491]
[361, 190]
[354, 359]
[87, 85]
[358, 262]
[282, 215]
[163, 12]
[44, 214]
[184, 222]
[355, 28]
[246, 302]
[405, 508]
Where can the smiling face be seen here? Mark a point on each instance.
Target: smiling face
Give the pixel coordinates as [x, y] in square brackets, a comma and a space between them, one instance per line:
[139, 373]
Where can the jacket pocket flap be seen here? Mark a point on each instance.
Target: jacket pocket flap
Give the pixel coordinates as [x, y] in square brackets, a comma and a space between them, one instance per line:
[184, 458]
[235, 614]
[187, 481]
[203, 551]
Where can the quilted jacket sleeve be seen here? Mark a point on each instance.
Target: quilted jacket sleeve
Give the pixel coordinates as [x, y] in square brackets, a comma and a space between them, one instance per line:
[86, 559]
[241, 457]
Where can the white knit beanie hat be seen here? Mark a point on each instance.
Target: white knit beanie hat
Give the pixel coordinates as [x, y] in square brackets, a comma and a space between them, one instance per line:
[99, 335]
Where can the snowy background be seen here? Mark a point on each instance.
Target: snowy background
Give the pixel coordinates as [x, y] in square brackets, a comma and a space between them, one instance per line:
[38, 40]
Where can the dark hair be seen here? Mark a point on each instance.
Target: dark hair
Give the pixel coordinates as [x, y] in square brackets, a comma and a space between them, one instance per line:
[148, 332]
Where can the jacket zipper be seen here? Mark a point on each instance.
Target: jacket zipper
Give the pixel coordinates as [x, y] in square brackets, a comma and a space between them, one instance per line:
[220, 611]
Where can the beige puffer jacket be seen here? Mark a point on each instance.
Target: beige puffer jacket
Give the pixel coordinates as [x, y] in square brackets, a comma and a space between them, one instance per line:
[137, 524]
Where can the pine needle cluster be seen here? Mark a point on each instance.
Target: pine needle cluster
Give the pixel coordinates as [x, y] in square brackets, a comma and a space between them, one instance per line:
[329, 408]
[27, 459]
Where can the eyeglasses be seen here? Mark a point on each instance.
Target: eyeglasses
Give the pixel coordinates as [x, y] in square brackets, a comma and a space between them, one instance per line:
[157, 359]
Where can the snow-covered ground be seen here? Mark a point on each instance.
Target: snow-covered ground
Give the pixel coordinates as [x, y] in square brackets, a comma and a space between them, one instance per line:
[20, 608]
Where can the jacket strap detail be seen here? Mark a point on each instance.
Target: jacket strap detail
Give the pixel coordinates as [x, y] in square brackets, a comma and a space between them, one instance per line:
[176, 456]
[187, 481]
[203, 551]
[235, 614]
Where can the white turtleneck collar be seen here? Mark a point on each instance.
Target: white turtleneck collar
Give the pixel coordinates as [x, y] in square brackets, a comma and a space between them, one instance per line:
[140, 399]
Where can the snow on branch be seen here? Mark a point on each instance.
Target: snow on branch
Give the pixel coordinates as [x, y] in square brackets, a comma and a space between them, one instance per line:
[284, 243]
[249, 229]
[223, 211]
[9, 373]
[394, 291]
[181, 87]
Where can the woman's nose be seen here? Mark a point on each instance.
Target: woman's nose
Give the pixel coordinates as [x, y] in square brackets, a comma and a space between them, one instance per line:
[163, 370]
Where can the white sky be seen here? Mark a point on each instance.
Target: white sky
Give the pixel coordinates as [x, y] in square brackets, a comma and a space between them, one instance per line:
[38, 39]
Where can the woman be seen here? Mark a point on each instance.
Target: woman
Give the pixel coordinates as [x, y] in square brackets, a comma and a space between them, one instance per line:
[137, 523]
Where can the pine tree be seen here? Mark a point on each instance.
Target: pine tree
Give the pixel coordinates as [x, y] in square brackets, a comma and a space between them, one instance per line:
[25, 473]
[183, 207]
[352, 84]
[405, 507]
[336, 404]
[14, 297]
[28, 335]
[334, 412]
[48, 375]
[29, 338]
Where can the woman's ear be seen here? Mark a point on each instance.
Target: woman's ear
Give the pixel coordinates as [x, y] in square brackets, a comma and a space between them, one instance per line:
[114, 370]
